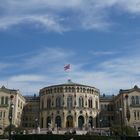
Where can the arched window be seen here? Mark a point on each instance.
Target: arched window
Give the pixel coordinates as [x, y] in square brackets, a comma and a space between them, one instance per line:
[48, 103]
[66, 89]
[69, 102]
[132, 100]
[77, 89]
[73, 89]
[137, 100]
[81, 102]
[58, 102]
[90, 102]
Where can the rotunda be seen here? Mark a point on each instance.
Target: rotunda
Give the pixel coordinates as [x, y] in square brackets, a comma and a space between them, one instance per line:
[69, 105]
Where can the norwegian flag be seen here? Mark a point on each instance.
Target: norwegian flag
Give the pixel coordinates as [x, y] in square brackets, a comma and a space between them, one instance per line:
[67, 67]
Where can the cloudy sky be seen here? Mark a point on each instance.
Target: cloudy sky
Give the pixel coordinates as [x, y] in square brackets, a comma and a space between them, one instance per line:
[99, 38]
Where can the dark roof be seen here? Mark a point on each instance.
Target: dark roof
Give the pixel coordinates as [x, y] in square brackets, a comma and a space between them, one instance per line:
[135, 88]
[106, 97]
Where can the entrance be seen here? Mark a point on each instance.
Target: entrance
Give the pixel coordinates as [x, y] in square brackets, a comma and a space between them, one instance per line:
[90, 121]
[80, 121]
[69, 122]
[58, 121]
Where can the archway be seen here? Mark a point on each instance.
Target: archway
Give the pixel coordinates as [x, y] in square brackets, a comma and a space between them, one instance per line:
[80, 121]
[90, 121]
[48, 121]
[69, 122]
[58, 121]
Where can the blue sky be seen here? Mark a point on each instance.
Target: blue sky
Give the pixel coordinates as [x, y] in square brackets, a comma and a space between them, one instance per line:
[100, 39]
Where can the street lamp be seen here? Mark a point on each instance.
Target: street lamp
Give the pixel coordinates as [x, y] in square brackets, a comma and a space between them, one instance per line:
[11, 115]
[120, 109]
[36, 124]
[100, 126]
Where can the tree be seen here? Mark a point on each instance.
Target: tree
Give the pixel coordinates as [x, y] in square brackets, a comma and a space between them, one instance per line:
[126, 130]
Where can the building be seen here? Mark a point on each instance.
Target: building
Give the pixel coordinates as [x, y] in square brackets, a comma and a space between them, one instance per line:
[69, 105]
[30, 117]
[106, 116]
[127, 107]
[17, 101]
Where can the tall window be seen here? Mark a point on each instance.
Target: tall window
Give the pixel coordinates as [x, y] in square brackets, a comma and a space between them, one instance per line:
[69, 102]
[137, 100]
[48, 103]
[6, 100]
[58, 102]
[96, 103]
[2, 100]
[138, 115]
[90, 102]
[81, 102]
[135, 115]
[132, 100]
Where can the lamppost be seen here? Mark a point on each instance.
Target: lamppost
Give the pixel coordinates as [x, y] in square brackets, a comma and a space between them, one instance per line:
[11, 115]
[100, 125]
[120, 109]
[36, 125]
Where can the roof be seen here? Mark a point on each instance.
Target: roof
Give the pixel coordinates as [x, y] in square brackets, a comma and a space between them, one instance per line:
[106, 97]
[135, 88]
[69, 83]
[3, 88]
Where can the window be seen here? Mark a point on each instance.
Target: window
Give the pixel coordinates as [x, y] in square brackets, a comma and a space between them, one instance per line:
[102, 107]
[132, 100]
[1, 114]
[58, 102]
[48, 103]
[138, 115]
[69, 102]
[69, 89]
[42, 105]
[135, 115]
[4, 114]
[81, 102]
[137, 100]
[96, 103]
[2, 100]
[6, 100]
[90, 103]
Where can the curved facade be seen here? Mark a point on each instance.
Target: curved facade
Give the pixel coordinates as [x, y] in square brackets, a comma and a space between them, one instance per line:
[69, 105]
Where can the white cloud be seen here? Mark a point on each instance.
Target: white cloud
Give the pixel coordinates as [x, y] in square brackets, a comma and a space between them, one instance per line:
[48, 59]
[91, 14]
[26, 78]
[109, 76]
[4, 66]
[39, 21]
[101, 53]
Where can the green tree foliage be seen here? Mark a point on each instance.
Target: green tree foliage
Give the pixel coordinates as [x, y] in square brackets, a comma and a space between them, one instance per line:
[126, 130]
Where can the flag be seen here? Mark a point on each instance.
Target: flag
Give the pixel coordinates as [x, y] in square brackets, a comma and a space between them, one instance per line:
[67, 67]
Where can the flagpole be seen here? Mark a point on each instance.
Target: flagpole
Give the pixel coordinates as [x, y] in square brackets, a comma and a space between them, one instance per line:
[67, 69]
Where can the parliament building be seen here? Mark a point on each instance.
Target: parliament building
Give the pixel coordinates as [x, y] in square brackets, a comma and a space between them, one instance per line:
[70, 105]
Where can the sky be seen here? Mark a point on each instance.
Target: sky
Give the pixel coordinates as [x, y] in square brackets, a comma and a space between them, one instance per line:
[98, 38]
